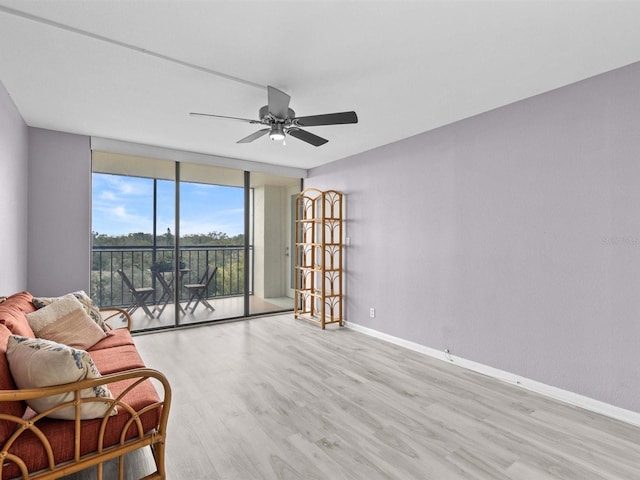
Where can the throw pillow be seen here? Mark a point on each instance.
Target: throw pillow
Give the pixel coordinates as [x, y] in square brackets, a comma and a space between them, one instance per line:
[36, 362]
[66, 321]
[92, 310]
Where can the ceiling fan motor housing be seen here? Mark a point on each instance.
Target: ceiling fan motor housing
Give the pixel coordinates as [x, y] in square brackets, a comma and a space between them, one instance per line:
[264, 113]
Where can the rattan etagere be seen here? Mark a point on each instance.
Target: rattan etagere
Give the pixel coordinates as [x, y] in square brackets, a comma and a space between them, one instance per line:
[318, 257]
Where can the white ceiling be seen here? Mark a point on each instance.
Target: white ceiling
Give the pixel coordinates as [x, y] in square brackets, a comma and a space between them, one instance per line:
[404, 66]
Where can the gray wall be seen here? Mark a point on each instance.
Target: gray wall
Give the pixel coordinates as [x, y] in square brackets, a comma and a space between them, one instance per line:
[59, 219]
[511, 238]
[13, 197]
[45, 207]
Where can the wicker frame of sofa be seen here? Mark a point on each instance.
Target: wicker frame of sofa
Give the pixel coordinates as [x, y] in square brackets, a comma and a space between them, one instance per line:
[154, 438]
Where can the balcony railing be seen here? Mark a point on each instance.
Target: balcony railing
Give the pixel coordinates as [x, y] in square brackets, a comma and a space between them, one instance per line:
[108, 289]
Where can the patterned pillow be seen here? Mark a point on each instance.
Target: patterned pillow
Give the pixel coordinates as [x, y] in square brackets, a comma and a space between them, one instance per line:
[66, 321]
[36, 362]
[92, 310]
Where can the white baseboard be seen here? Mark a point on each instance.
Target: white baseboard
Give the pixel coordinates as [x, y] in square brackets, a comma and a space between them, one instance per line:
[566, 396]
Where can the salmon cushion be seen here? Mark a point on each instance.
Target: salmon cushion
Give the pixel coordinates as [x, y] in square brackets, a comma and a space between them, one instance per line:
[14, 408]
[13, 314]
[116, 359]
[115, 338]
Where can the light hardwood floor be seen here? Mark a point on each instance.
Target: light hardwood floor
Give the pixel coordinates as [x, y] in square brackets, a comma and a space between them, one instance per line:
[278, 398]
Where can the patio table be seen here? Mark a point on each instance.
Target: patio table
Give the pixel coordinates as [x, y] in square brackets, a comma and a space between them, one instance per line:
[167, 287]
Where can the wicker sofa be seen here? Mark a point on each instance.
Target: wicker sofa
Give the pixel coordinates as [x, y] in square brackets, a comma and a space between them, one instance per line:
[68, 436]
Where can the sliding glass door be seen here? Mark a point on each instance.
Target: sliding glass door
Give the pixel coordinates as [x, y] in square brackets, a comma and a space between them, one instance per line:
[179, 243]
[211, 243]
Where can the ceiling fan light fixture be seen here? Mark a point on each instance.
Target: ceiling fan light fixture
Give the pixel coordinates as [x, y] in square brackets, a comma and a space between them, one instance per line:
[277, 132]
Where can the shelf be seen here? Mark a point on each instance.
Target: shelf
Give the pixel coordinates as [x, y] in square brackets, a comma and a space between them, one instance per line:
[317, 320]
[319, 269]
[321, 294]
[318, 254]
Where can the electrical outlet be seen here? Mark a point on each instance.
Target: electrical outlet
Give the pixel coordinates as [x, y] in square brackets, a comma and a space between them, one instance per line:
[372, 312]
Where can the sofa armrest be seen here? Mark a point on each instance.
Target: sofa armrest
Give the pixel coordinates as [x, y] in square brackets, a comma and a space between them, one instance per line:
[112, 312]
[139, 426]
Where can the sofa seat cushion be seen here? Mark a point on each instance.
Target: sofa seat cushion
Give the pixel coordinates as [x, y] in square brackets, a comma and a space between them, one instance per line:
[14, 408]
[114, 338]
[13, 314]
[116, 359]
[60, 433]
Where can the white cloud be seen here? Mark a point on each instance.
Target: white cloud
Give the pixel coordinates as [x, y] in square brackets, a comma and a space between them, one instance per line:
[123, 205]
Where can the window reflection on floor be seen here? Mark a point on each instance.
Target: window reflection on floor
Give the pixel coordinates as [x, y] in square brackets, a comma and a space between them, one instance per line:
[230, 307]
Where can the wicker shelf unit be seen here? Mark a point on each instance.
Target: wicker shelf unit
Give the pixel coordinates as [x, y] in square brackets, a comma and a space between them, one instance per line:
[318, 257]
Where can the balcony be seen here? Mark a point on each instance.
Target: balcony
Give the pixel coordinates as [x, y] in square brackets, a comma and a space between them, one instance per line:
[225, 293]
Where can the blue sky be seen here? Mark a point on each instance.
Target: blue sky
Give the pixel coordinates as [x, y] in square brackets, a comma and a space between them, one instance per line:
[123, 205]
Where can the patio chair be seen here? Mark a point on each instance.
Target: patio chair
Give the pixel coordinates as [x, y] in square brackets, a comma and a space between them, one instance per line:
[198, 291]
[139, 295]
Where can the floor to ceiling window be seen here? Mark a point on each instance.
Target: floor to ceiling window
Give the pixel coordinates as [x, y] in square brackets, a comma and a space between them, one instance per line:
[179, 243]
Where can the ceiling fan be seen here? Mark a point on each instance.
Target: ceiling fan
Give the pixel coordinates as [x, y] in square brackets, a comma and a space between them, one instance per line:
[280, 120]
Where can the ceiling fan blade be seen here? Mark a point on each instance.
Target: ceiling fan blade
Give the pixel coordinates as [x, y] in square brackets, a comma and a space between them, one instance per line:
[254, 136]
[327, 119]
[278, 102]
[308, 137]
[195, 114]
